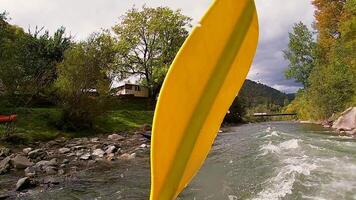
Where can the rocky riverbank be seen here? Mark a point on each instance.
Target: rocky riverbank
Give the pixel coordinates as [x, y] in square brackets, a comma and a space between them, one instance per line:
[344, 124]
[44, 165]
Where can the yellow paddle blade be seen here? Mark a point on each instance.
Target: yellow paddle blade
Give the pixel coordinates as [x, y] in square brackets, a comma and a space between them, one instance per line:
[200, 86]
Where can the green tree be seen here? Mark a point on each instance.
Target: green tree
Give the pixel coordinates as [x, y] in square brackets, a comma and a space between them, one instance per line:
[148, 42]
[300, 54]
[28, 60]
[84, 81]
[333, 83]
[328, 16]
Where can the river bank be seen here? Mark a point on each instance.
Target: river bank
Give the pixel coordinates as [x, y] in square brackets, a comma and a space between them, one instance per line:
[41, 166]
[343, 123]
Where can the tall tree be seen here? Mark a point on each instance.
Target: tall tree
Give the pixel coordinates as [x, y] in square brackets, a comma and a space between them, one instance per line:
[148, 42]
[328, 15]
[28, 60]
[84, 80]
[300, 53]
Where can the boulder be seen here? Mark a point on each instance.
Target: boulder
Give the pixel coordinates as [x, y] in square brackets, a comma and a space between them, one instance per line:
[5, 165]
[4, 152]
[21, 162]
[98, 152]
[44, 163]
[115, 137]
[127, 156]
[347, 120]
[24, 183]
[27, 150]
[86, 156]
[51, 180]
[110, 149]
[64, 150]
[30, 171]
[50, 170]
[37, 154]
[94, 140]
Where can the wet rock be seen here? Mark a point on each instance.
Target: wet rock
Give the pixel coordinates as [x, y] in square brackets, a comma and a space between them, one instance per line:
[71, 154]
[37, 154]
[127, 156]
[99, 152]
[53, 162]
[30, 171]
[61, 172]
[21, 162]
[45, 163]
[94, 140]
[27, 150]
[51, 180]
[50, 170]
[115, 137]
[64, 150]
[86, 156]
[347, 120]
[4, 152]
[110, 149]
[353, 132]
[24, 183]
[5, 165]
[79, 147]
[4, 196]
[65, 161]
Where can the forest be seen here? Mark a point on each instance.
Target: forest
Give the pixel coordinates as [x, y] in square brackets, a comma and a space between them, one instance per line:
[323, 60]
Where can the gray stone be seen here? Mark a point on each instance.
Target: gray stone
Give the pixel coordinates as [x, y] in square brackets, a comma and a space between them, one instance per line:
[21, 162]
[23, 183]
[37, 154]
[98, 152]
[127, 156]
[110, 149]
[50, 170]
[30, 171]
[86, 156]
[53, 162]
[61, 172]
[347, 120]
[65, 161]
[27, 150]
[115, 137]
[51, 180]
[94, 140]
[5, 165]
[64, 150]
[4, 152]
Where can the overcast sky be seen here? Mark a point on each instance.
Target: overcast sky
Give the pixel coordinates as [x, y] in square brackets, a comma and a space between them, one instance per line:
[82, 17]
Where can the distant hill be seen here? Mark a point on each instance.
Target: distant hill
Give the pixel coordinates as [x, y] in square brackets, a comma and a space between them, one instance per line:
[254, 94]
[256, 97]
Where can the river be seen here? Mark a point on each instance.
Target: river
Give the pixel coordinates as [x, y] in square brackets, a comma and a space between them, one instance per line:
[277, 160]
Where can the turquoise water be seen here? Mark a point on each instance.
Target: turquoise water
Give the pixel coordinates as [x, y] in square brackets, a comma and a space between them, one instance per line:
[279, 160]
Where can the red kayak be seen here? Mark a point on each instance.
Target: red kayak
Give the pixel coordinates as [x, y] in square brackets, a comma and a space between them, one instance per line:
[7, 118]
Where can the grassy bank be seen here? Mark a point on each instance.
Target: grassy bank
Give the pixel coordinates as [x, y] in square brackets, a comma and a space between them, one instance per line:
[40, 123]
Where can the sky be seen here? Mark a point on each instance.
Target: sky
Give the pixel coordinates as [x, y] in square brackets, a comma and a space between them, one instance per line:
[82, 17]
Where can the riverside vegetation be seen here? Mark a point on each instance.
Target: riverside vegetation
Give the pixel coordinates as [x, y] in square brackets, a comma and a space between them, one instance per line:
[323, 61]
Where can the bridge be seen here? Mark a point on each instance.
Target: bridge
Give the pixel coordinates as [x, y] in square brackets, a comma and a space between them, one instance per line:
[273, 114]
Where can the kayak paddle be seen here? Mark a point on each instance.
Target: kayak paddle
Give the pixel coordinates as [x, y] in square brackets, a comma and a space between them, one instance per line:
[199, 88]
